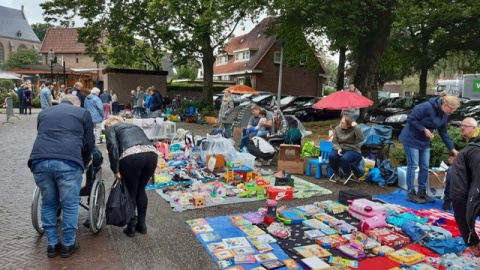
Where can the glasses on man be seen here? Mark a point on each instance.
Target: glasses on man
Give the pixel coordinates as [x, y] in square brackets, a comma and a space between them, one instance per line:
[465, 126]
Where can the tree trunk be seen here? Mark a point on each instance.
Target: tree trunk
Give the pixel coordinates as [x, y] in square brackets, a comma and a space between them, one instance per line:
[207, 61]
[341, 68]
[370, 51]
[423, 81]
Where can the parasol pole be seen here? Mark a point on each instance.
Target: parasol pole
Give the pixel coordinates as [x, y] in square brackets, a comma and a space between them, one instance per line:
[279, 94]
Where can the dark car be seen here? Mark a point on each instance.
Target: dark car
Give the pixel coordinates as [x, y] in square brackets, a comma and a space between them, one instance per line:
[293, 101]
[265, 100]
[468, 108]
[306, 113]
[217, 100]
[395, 114]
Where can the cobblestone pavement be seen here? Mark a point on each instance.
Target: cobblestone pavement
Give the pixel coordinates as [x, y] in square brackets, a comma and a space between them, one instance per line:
[169, 244]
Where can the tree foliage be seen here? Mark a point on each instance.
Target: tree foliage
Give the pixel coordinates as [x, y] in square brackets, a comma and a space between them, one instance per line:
[187, 29]
[40, 29]
[19, 58]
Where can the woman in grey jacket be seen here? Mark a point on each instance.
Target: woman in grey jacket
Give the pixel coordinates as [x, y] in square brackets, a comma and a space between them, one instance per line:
[226, 114]
[346, 147]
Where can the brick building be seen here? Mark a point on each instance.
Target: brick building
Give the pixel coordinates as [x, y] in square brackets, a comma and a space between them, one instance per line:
[257, 55]
[15, 33]
[71, 53]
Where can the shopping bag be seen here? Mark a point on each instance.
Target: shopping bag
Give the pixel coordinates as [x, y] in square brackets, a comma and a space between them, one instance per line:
[309, 149]
[119, 209]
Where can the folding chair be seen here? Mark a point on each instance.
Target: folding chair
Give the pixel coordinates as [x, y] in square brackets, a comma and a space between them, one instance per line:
[352, 177]
[192, 115]
[326, 148]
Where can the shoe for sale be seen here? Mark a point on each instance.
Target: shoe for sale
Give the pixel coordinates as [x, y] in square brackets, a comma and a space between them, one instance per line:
[423, 194]
[413, 197]
[279, 230]
[67, 251]
[52, 250]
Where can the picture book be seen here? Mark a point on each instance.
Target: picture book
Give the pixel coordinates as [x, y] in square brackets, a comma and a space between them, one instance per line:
[223, 254]
[262, 239]
[328, 231]
[239, 259]
[422, 266]
[262, 248]
[339, 238]
[406, 256]
[258, 268]
[325, 218]
[210, 237]
[309, 209]
[313, 223]
[225, 263]
[290, 264]
[315, 263]
[213, 247]
[202, 229]
[239, 221]
[382, 250]
[313, 234]
[251, 230]
[341, 262]
[244, 251]
[273, 264]
[236, 242]
[343, 227]
[236, 267]
[312, 251]
[197, 222]
[327, 242]
[265, 257]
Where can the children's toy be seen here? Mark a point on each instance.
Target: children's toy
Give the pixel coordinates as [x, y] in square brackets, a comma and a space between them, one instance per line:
[312, 251]
[327, 242]
[377, 221]
[309, 209]
[406, 256]
[313, 234]
[271, 208]
[343, 227]
[282, 179]
[363, 209]
[354, 248]
[325, 218]
[199, 201]
[290, 217]
[383, 250]
[290, 264]
[332, 207]
[341, 262]
[388, 237]
[260, 188]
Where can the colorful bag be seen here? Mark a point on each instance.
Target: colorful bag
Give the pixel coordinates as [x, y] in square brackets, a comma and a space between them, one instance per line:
[309, 149]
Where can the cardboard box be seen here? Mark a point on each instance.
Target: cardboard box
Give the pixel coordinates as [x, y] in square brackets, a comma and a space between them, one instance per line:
[280, 193]
[289, 159]
[435, 183]
[237, 132]
[388, 237]
[220, 163]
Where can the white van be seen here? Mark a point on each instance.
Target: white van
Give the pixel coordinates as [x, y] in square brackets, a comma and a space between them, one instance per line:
[468, 86]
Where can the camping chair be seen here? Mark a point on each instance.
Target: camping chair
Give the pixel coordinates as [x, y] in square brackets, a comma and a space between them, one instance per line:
[378, 139]
[325, 149]
[357, 169]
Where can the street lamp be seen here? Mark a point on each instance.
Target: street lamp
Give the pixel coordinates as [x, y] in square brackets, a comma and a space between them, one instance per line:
[53, 60]
[279, 94]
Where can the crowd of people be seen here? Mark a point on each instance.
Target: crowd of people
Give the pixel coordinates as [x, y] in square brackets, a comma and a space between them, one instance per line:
[77, 123]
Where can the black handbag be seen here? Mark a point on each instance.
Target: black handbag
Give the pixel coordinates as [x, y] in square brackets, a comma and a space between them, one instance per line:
[119, 209]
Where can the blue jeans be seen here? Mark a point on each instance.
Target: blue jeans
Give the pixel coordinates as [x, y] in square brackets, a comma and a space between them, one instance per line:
[416, 158]
[59, 182]
[228, 129]
[149, 114]
[342, 165]
[447, 183]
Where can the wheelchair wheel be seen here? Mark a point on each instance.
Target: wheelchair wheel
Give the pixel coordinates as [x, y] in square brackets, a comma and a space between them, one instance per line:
[96, 206]
[36, 211]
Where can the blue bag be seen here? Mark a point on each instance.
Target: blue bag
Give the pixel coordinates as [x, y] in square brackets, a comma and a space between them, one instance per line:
[449, 245]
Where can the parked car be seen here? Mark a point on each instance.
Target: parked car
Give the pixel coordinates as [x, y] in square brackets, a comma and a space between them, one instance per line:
[395, 114]
[217, 100]
[306, 113]
[294, 101]
[265, 100]
[468, 108]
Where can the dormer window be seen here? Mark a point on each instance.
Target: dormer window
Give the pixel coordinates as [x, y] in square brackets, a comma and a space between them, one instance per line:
[242, 56]
[222, 60]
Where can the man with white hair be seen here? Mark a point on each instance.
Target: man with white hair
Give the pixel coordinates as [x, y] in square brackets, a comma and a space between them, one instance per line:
[468, 132]
[93, 104]
[77, 90]
[61, 151]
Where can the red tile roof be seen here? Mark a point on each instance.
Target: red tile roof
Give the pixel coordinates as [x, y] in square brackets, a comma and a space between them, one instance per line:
[256, 39]
[62, 40]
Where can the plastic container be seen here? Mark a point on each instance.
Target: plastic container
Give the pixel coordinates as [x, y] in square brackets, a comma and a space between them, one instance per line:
[247, 159]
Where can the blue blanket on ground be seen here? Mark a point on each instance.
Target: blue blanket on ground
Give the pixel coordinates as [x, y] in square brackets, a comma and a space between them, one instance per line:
[399, 197]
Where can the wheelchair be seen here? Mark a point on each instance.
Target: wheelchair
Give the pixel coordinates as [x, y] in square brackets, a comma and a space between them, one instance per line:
[94, 203]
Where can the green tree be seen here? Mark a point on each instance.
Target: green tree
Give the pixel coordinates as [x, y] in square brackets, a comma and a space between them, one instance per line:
[40, 29]
[428, 31]
[185, 28]
[19, 58]
[188, 71]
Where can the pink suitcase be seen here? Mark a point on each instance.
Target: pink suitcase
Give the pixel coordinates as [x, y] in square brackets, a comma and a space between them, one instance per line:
[363, 209]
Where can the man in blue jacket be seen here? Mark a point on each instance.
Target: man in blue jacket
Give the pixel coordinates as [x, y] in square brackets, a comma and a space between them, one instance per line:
[60, 154]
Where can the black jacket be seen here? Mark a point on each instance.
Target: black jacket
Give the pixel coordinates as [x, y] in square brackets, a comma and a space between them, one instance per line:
[64, 132]
[157, 102]
[120, 137]
[465, 191]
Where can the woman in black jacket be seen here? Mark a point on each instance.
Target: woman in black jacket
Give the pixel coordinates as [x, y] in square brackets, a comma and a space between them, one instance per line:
[133, 158]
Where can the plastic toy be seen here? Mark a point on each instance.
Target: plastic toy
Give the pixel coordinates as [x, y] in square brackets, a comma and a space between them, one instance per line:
[260, 189]
[354, 249]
